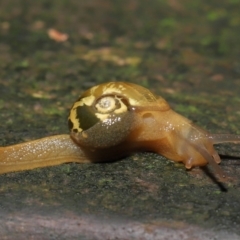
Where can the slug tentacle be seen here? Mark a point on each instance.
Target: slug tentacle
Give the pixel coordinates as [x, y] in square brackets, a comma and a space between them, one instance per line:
[224, 138]
[212, 158]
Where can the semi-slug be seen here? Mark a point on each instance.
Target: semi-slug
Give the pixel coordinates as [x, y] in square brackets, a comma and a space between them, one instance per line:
[115, 119]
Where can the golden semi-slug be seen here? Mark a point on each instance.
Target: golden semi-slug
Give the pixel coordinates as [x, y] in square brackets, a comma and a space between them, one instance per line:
[112, 120]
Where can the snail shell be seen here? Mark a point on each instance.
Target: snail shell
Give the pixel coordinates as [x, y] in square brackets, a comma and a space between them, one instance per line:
[105, 115]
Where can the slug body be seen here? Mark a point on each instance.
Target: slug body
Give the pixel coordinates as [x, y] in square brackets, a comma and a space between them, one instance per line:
[112, 120]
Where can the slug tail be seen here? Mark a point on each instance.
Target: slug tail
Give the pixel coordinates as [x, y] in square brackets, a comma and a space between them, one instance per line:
[43, 152]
